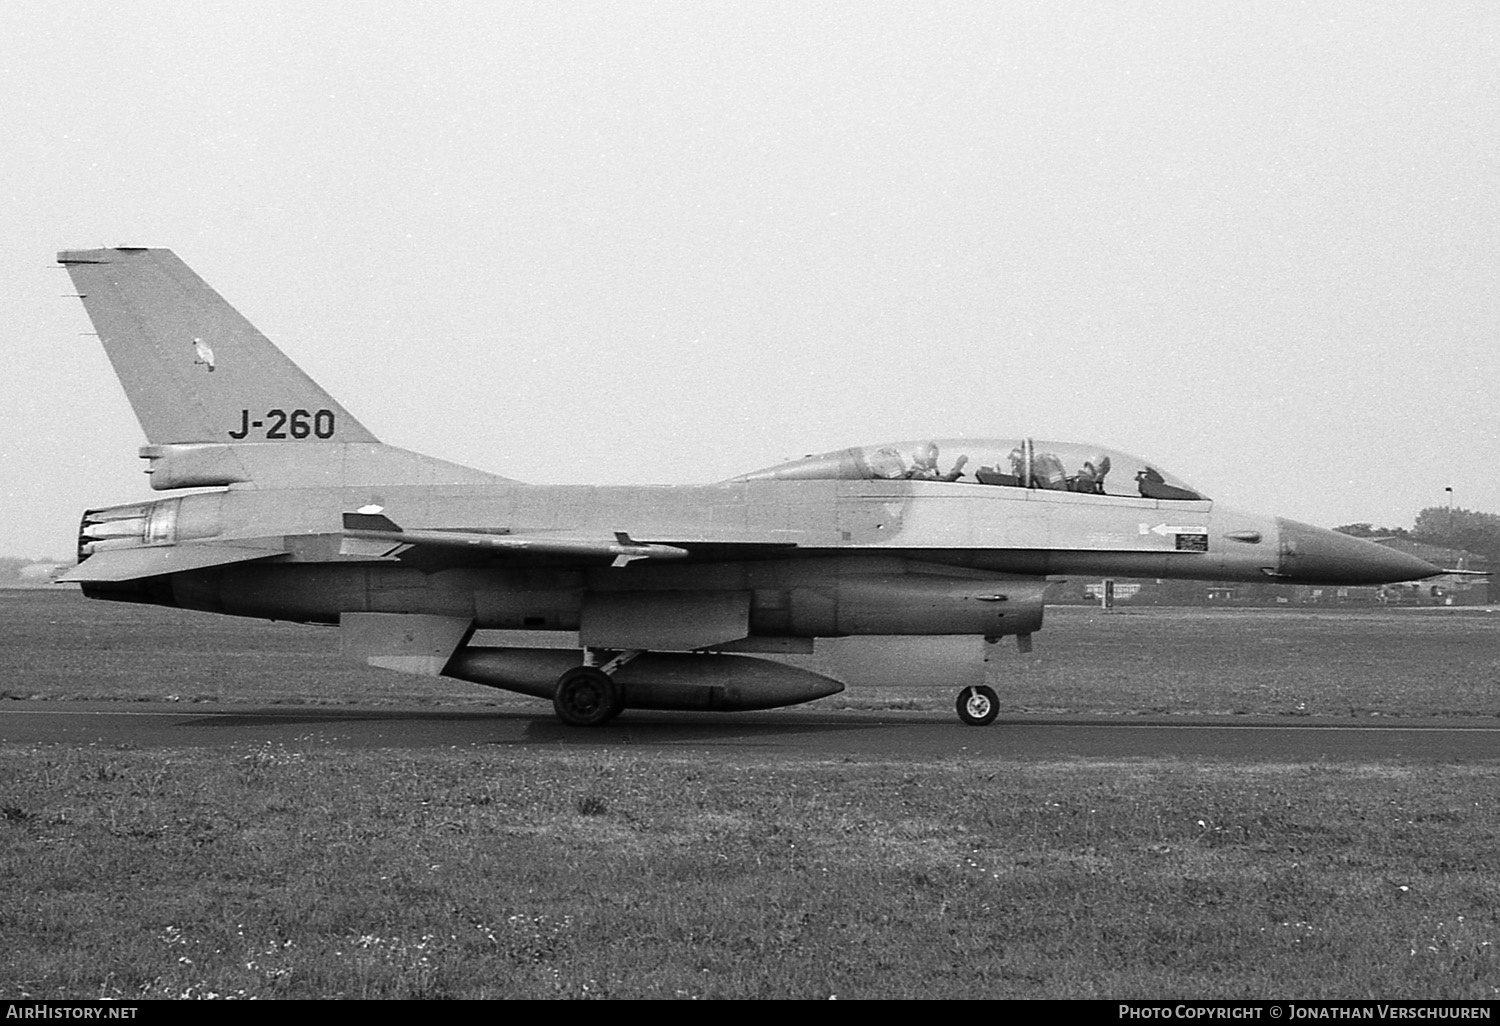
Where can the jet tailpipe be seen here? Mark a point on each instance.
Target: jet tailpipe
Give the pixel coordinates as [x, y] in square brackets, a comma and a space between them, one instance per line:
[655, 680]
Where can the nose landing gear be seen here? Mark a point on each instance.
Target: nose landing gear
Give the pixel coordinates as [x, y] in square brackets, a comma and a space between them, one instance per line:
[978, 705]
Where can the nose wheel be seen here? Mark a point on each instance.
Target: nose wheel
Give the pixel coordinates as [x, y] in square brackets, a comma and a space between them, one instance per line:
[978, 706]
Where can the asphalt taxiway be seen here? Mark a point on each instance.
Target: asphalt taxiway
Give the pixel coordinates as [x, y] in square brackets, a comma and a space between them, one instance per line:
[785, 734]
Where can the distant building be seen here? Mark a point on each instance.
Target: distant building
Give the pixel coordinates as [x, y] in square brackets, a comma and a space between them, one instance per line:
[1340, 595]
[1124, 590]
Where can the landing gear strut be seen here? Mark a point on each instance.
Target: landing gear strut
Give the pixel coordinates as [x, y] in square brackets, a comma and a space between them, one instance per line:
[978, 705]
[588, 695]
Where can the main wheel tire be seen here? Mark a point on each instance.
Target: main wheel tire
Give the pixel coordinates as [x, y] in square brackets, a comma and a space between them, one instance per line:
[978, 706]
[586, 697]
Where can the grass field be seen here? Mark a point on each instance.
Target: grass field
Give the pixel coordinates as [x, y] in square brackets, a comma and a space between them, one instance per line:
[280, 871]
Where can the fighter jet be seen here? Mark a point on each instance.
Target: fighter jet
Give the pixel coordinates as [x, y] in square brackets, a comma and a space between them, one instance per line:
[311, 518]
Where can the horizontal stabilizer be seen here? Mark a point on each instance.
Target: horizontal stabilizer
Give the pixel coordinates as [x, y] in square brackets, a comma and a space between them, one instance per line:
[134, 564]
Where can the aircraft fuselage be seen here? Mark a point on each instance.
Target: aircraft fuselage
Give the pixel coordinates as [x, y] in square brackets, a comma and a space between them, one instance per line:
[781, 542]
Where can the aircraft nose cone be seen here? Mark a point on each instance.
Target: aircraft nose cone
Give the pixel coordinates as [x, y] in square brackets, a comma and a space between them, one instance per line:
[1316, 555]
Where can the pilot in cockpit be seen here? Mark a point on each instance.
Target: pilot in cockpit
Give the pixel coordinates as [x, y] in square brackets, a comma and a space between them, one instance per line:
[924, 465]
[1091, 477]
[1018, 465]
[1047, 471]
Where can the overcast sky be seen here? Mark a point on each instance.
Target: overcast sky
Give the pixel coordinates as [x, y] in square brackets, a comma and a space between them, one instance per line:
[671, 242]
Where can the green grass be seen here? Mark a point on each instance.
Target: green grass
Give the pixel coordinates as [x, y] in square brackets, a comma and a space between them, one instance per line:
[309, 871]
[277, 872]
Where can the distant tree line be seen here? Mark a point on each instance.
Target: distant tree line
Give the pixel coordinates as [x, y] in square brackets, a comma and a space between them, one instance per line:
[1465, 529]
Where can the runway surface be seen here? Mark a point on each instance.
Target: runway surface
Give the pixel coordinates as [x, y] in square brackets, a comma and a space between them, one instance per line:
[785, 734]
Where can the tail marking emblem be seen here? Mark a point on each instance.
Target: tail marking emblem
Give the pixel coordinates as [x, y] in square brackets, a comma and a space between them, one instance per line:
[205, 354]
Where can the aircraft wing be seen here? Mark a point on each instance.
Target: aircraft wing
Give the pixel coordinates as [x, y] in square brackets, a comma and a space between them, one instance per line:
[376, 535]
[133, 564]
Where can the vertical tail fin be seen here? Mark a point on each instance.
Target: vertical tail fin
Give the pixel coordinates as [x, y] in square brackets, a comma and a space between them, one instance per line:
[195, 370]
[219, 403]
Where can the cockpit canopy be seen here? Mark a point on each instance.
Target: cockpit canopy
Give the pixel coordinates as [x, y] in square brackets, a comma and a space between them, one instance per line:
[1012, 463]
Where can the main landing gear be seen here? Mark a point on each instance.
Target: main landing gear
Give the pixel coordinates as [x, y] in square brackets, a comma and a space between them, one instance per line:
[588, 695]
[978, 705]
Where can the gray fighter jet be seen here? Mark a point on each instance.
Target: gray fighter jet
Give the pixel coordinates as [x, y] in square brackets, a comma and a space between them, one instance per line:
[313, 519]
